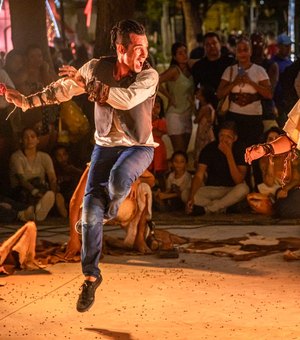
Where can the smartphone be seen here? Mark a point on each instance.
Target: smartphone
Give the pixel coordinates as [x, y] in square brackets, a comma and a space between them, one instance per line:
[241, 71]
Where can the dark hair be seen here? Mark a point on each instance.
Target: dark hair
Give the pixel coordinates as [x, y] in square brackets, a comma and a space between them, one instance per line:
[229, 125]
[211, 35]
[27, 128]
[174, 49]
[59, 147]
[209, 95]
[199, 37]
[32, 47]
[162, 110]
[272, 129]
[179, 153]
[10, 56]
[243, 39]
[119, 34]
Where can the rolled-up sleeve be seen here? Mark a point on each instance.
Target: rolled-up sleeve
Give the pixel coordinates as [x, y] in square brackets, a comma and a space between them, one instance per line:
[144, 87]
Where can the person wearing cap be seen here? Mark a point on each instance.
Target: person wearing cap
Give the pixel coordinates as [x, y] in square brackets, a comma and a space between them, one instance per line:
[283, 60]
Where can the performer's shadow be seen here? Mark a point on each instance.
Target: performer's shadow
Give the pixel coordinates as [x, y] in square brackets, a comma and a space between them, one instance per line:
[111, 334]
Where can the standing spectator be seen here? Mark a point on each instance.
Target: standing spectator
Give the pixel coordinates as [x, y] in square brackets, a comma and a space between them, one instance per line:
[246, 83]
[283, 60]
[206, 120]
[180, 92]
[6, 133]
[258, 57]
[271, 48]
[159, 165]
[14, 67]
[223, 163]
[208, 70]
[198, 52]
[39, 74]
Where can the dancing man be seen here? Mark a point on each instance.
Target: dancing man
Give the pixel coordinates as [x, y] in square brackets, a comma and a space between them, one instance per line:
[123, 89]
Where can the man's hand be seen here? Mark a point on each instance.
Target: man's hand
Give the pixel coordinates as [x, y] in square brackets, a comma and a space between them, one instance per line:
[13, 96]
[254, 152]
[226, 148]
[68, 71]
[71, 72]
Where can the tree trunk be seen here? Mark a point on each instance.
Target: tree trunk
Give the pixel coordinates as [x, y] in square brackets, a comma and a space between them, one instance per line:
[28, 25]
[108, 14]
[192, 22]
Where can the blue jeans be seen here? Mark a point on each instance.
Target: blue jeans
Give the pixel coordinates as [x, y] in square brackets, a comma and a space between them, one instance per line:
[111, 173]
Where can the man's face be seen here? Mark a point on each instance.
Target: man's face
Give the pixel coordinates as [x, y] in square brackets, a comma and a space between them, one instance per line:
[212, 48]
[35, 57]
[136, 53]
[284, 50]
[227, 136]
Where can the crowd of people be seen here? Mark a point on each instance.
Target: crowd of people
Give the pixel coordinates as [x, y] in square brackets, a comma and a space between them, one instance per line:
[130, 121]
[41, 167]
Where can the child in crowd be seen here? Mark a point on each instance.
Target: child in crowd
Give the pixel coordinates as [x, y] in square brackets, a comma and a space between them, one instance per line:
[178, 182]
[206, 120]
[159, 166]
[67, 174]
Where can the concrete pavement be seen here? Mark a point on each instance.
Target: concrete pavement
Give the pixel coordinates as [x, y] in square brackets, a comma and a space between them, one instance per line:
[144, 297]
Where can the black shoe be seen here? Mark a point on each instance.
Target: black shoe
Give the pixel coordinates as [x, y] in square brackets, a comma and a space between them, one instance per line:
[198, 210]
[87, 295]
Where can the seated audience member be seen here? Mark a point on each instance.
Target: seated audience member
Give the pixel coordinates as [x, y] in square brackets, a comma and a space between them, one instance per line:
[272, 172]
[133, 215]
[33, 177]
[159, 165]
[206, 120]
[178, 184]
[271, 167]
[288, 197]
[223, 163]
[67, 174]
[12, 211]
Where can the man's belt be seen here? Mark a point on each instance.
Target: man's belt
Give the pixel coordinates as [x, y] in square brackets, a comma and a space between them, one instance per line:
[243, 99]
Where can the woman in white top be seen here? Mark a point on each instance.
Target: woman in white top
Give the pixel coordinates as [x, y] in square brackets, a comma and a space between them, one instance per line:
[245, 83]
[180, 93]
[33, 177]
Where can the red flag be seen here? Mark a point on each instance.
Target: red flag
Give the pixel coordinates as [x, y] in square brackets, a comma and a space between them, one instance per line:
[88, 12]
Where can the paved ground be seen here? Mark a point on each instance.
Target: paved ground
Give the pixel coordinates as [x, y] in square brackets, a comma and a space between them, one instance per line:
[144, 297]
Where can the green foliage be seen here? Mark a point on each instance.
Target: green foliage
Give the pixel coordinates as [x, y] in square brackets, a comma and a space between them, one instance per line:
[154, 9]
